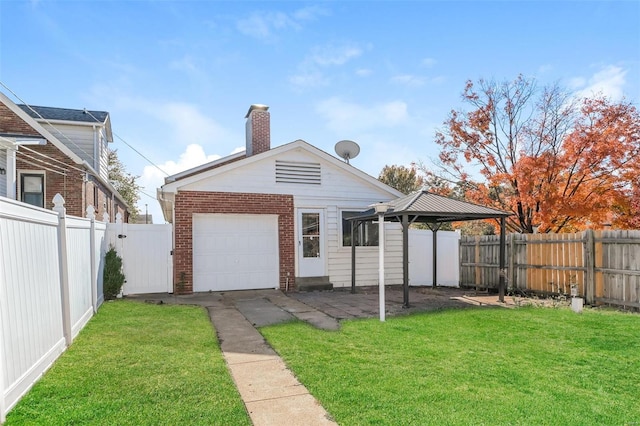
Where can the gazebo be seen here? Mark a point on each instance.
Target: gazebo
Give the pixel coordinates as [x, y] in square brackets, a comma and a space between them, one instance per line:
[433, 210]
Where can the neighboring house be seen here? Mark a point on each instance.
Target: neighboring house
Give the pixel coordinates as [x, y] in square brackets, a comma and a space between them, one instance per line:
[44, 151]
[274, 218]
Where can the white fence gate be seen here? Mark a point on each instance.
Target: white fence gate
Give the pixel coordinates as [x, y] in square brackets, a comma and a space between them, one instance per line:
[145, 250]
[421, 258]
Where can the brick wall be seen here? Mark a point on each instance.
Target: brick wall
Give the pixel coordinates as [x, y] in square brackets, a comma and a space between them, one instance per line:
[12, 124]
[258, 132]
[189, 202]
[70, 185]
[77, 193]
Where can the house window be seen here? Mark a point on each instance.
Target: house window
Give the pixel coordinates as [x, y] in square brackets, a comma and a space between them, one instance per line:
[32, 188]
[366, 234]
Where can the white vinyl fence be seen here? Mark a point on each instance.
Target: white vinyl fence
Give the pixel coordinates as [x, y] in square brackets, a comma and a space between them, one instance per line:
[421, 258]
[50, 286]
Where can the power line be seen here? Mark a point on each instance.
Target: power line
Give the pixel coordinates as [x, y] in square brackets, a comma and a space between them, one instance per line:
[130, 146]
[74, 144]
[51, 158]
[47, 121]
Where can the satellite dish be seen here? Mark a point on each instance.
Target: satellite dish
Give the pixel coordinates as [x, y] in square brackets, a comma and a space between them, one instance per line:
[347, 150]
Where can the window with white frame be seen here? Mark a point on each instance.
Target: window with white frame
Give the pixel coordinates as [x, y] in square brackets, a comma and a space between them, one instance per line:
[365, 234]
[32, 188]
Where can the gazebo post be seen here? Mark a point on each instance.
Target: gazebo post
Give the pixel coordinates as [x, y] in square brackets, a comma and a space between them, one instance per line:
[501, 282]
[405, 260]
[434, 229]
[435, 255]
[354, 225]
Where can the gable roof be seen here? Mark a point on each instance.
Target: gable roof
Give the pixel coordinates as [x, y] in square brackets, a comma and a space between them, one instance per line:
[429, 207]
[166, 193]
[65, 114]
[19, 111]
[224, 164]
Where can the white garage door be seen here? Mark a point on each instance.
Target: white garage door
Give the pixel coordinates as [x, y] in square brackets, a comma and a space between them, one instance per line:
[235, 252]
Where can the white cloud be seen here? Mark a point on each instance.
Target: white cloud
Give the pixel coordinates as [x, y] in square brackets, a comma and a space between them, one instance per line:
[345, 117]
[429, 62]
[189, 124]
[265, 25]
[152, 178]
[334, 55]
[311, 71]
[545, 68]
[408, 80]
[364, 72]
[309, 79]
[609, 81]
[310, 13]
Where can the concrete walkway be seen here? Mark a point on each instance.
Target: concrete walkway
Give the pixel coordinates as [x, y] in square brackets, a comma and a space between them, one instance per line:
[270, 391]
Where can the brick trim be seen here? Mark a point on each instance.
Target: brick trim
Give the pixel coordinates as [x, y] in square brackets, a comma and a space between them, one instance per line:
[189, 202]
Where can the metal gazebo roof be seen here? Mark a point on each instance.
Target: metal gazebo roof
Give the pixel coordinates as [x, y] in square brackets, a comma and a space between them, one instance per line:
[432, 209]
[426, 207]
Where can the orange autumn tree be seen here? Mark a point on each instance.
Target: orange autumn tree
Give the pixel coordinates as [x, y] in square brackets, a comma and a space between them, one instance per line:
[558, 163]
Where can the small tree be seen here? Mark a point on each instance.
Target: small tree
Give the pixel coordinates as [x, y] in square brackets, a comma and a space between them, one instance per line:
[112, 276]
[124, 182]
[404, 179]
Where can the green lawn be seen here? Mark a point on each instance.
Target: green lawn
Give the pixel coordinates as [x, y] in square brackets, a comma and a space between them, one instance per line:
[533, 366]
[137, 364]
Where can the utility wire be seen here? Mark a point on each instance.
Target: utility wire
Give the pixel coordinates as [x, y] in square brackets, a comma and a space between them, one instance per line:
[50, 158]
[22, 156]
[47, 121]
[72, 142]
[130, 146]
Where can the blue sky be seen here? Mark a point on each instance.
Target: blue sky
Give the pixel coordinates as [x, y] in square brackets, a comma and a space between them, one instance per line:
[179, 76]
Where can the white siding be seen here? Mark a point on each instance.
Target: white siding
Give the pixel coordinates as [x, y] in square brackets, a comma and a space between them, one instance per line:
[84, 141]
[366, 257]
[260, 177]
[3, 178]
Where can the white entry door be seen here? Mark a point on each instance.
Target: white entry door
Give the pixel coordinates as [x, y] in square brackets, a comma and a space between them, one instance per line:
[311, 255]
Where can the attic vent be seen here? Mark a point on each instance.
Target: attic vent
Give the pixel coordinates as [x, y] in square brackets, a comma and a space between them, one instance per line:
[297, 172]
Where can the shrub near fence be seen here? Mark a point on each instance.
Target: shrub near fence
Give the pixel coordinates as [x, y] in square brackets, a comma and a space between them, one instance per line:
[50, 286]
[603, 265]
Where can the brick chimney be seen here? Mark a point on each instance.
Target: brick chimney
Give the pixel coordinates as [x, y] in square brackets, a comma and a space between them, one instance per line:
[258, 130]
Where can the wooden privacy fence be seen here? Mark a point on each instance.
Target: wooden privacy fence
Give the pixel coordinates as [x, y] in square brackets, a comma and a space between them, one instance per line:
[604, 266]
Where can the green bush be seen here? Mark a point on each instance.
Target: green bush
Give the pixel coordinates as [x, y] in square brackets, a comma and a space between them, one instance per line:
[112, 277]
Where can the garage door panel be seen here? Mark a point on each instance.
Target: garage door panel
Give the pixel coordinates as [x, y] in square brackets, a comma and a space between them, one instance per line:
[235, 252]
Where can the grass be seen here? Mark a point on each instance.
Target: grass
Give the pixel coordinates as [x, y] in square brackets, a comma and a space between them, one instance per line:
[139, 364]
[537, 366]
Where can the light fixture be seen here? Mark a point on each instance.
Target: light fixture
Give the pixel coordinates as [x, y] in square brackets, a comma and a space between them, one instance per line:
[380, 208]
[3, 171]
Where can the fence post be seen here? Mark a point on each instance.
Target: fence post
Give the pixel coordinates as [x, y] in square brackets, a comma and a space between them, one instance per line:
[3, 405]
[512, 262]
[476, 260]
[590, 265]
[91, 214]
[58, 206]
